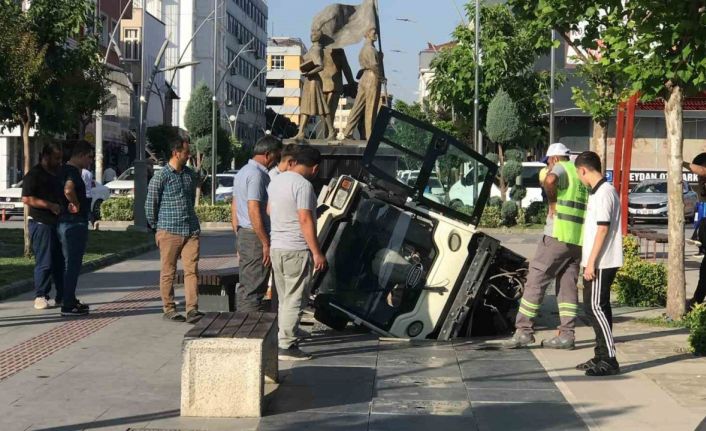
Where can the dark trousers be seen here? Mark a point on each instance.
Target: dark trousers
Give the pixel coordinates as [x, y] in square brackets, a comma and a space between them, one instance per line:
[596, 304]
[700, 293]
[253, 274]
[73, 237]
[49, 261]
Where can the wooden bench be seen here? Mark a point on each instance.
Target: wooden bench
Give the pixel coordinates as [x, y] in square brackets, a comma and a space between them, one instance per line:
[226, 359]
[216, 287]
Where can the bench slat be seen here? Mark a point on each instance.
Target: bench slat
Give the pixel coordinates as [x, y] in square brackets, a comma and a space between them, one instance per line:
[214, 330]
[234, 325]
[263, 326]
[201, 325]
[248, 326]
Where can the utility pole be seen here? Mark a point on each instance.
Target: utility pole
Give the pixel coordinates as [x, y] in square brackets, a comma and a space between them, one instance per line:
[141, 169]
[552, 73]
[477, 143]
[214, 127]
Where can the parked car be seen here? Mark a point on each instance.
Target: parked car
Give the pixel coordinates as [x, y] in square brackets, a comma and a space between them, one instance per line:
[124, 185]
[224, 191]
[648, 201]
[461, 193]
[11, 200]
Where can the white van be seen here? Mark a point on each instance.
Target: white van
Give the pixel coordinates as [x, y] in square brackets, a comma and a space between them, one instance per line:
[461, 193]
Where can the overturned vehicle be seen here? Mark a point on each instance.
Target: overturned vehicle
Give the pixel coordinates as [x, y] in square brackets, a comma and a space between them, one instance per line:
[402, 260]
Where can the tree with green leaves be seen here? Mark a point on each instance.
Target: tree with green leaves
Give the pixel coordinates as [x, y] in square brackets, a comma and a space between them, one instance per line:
[197, 120]
[510, 48]
[46, 54]
[503, 127]
[581, 24]
[660, 47]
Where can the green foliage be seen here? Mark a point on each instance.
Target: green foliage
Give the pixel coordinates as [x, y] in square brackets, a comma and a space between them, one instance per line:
[511, 47]
[491, 217]
[509, 213]
[502, 122]
[493, 157]
[118, 209]
[213, 213]
[536, 213]
[160, 139]
[517, 193]
[495, 201]
[199, 111]
[510, 171]
[640, 283]
[515, 155]
[696, 322]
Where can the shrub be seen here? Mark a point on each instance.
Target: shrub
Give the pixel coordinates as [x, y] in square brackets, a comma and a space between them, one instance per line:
[493, 157]
[536, 213]
[510, 171]
[631, 247]
[117, 209]
[516, 155]
[696, 322]
[491, 217]
[509, 212]
[213, 213]
[495, 201]
[518, 193]
[641, 284]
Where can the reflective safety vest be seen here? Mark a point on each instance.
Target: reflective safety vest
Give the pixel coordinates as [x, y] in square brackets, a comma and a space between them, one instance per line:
[570, 208]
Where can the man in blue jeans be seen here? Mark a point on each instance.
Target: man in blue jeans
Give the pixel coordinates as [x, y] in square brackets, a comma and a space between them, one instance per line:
[41, 191]
[73, 223]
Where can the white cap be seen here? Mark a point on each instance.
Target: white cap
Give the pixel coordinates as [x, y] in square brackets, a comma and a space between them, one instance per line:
[558, 149]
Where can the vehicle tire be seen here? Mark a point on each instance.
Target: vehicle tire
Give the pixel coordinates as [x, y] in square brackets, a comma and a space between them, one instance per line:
[97, 209]
[456, 204]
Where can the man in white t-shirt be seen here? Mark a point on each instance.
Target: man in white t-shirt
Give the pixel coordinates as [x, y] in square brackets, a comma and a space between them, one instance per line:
[295, 249]
[602, 257]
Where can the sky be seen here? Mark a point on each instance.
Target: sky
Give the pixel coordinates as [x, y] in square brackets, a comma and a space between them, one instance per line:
[433, 21]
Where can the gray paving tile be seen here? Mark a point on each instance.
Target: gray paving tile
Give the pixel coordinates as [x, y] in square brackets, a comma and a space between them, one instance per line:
[526, 417]
[314, 421]
[421, 407]
[304, 375]
[327, 398]
[506, 374]
[515, 395]
[493, 354]
[419, 371]
[204, 424]
[381, 422]
[420, 392]
[338, 360]
[416, 361]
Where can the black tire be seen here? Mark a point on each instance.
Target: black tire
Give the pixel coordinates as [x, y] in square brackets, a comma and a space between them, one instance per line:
[97, 209]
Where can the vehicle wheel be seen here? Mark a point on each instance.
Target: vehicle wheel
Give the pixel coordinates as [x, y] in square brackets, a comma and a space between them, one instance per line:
[97, 209]
[456, 204]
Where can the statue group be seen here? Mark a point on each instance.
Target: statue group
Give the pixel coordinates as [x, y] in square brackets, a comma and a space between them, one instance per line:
[325, 66]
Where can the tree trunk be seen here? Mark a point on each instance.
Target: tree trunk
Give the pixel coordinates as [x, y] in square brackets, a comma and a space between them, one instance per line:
[501, 164]
[676, 287]
[27, 162]
[197, 167]
[599, 141]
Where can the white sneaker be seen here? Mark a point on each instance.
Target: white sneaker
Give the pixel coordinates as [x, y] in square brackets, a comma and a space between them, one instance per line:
[41, 303]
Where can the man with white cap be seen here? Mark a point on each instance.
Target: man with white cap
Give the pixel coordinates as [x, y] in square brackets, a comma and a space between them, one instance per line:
[558, 255]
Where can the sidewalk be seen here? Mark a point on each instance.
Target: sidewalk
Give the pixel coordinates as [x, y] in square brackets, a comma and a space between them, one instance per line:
[120, 369]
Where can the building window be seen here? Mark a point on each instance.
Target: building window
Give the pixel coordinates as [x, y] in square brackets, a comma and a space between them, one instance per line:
[275, 101]
[277, 62]
[132, 47]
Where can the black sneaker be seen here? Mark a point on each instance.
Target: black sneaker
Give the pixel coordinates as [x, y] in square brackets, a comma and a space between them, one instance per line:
[82, 306]
[583, 366]
[75, 311]
[193, 316]
[604, 367]
[293, 354]
[173, 316]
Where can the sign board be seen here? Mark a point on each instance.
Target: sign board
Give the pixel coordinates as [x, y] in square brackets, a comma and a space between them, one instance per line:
[637, 176]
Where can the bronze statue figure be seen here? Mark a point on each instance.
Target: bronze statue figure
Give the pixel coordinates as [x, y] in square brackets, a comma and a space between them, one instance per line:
[313, 100]
[335, 68]
[367, 101]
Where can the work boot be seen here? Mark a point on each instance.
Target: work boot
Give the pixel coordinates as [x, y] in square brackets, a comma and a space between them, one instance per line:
[559, 342]
[520, 339]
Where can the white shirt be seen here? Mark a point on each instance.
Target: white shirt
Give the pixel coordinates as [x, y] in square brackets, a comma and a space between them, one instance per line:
[603, 210]
[87, 177]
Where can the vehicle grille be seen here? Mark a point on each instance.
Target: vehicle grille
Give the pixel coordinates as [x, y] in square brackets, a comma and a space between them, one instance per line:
[647, 206]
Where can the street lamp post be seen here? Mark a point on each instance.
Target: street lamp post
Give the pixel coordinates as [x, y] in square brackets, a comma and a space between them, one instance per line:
[552, 73]
[237, 113]
[214, 108]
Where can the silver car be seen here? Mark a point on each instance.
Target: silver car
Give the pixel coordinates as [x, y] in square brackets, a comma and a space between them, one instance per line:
[648, 201]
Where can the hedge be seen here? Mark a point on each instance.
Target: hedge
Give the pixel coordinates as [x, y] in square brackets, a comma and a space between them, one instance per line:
[696, 322]
[120, 209]
[640, 283]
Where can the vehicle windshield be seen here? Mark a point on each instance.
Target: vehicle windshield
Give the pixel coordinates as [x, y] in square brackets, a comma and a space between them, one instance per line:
[225, 181]
[128, 175]
[436, 160]
[650, 188]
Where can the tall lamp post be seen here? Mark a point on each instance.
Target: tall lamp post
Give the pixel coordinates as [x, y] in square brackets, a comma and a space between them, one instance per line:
[552, 74]
[237, 113]
[214, 108]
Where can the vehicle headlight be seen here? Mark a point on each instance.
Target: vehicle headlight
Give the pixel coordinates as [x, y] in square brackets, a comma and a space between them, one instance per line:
[341, 196]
